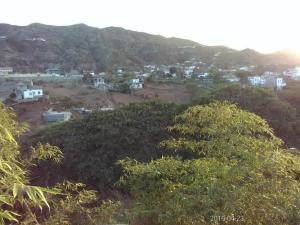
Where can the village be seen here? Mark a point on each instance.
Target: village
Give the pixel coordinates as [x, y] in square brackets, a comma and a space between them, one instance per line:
[55, 96]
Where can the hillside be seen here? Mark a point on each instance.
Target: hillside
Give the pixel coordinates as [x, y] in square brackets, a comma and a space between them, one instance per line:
[37, 47]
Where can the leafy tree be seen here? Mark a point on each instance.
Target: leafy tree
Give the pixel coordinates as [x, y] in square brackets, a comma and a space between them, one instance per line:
[93, 145]
[216, 76]
[240, 173]
[264, 102]
[19, 200]
[291, 94]
[22, 203]
[124, 88]
[79, 206]
[243, 75]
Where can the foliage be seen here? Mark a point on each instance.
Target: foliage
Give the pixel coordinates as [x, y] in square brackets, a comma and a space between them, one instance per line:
[291, 94]
[264, 102]
[18, 199]
[93, 145]
[216, 76]
[79, 206]
[240, 175]
[123, 88]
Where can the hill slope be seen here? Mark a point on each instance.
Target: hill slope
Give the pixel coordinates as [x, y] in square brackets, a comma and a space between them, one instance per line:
[37, 47]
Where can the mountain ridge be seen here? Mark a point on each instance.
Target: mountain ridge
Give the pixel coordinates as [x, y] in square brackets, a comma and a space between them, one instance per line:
[36, 47]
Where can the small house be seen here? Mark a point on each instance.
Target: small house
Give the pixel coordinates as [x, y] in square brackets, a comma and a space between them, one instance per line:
[231, 78]
[53, 116]
[98, 81]
[267, 81]
[5, 70]
[32, 93]
[55, 71]
[136, 84]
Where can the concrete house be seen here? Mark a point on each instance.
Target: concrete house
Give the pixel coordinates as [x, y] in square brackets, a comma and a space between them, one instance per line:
[293, 73]
[28, 92]
[32, 93]
[136, 84]
[257, 80]
[54, 71]
[53, 116]
[231, 78]
[267, 81]
[98, 81]
[5, 70]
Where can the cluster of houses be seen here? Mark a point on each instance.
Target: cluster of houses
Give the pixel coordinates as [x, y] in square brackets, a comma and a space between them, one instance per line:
[293, 73]
[268, 79]
[134, 82]
[193, 69]
[27, 91]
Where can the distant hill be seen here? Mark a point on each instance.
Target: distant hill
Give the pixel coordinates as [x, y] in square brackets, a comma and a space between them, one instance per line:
[37, 47]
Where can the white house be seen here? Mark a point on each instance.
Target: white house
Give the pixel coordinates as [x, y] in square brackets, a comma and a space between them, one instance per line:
[269, 73]
[136, 84]
[32, 93]
[202, 75]
[267, 81]
[294, 73]
[256, 80]
[188, 71]
[98, 81]
[231, 78]
[5, 70]
[280, 83]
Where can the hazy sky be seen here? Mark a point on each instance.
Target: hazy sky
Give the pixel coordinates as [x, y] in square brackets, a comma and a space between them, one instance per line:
[265, 25]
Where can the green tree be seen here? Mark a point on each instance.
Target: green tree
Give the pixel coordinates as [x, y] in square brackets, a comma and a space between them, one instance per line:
[239, 174]
[22, 203]
[281, 116]
[78, 206]
[19, 200]
[93, 145]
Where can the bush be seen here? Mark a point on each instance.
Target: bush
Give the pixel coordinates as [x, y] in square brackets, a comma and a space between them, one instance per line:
[92, 146]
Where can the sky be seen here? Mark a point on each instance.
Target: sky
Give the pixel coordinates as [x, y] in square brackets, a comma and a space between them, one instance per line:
[263, 25]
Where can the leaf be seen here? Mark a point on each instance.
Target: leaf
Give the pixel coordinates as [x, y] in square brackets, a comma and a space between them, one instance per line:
[9, 215]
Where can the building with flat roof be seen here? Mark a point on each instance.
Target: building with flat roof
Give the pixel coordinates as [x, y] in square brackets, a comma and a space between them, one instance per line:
[5, 70]
[53, 116]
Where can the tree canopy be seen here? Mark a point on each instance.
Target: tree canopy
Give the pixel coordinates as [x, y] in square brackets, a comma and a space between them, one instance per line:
[281, 116]
[92, 146]
[18, 199]
[240, 175]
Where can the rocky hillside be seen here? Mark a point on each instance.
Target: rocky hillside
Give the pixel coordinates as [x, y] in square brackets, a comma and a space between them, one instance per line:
[37, 47]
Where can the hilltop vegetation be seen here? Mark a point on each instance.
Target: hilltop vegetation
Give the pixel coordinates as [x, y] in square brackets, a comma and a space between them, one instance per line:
[283, 117]
[221, 165]
[93, 146]
[37, 47]
[240, 173]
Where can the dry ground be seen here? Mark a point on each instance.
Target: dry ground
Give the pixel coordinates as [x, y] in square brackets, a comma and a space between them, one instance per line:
[31, 113]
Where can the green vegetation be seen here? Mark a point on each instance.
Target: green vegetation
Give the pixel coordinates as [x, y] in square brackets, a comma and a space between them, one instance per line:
[291, 95]
[212, 163]
[281, 116]
[23, 203]
[92, 146]
[18, 199]
[240, 175]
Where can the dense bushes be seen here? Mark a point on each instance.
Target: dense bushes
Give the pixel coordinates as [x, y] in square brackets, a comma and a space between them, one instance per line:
[240, 175]
[281, 116]
[92, 146]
